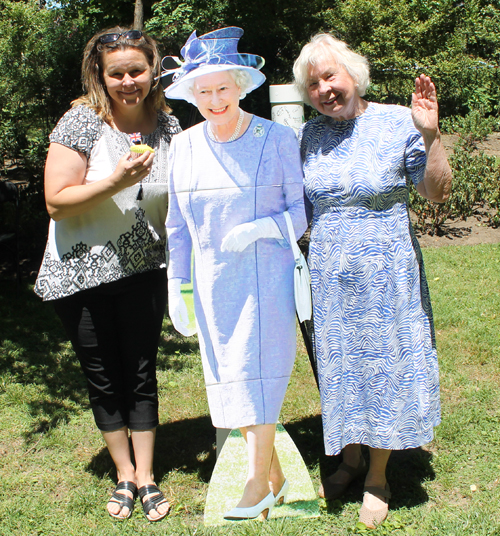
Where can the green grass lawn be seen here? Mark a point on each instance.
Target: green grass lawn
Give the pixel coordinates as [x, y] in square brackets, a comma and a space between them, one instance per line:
[56, 474]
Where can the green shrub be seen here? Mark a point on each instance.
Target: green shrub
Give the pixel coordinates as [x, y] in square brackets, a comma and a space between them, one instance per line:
[456, 43]
[476, 178]
[40, 58]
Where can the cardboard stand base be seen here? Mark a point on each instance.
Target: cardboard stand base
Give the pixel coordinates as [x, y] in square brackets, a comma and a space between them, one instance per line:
[228, 480]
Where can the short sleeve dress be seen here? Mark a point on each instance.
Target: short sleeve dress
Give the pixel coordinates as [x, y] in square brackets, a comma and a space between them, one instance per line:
[244, 302]
[374, 334]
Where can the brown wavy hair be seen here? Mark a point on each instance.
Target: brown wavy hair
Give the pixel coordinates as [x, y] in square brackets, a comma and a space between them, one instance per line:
[96, 95]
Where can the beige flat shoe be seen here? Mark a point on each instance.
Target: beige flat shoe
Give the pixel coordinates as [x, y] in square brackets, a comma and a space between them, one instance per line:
[372, 518]
[333, 490]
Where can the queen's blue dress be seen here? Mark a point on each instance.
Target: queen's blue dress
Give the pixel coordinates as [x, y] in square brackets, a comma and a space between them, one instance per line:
[374, 335]
[244, 302]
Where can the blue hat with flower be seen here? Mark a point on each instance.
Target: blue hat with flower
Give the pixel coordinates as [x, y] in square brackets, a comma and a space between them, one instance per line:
[213, 52]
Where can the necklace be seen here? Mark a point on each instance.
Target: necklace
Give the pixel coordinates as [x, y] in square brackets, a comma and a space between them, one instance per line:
[133, 138]
[234, 135]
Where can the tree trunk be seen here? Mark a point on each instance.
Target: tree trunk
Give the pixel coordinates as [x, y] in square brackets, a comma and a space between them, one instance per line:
[138, 15]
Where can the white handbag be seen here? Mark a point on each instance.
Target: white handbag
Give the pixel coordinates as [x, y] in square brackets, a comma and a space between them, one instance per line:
[301, 277]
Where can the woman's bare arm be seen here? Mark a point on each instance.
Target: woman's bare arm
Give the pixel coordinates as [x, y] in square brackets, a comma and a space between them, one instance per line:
[66, 195]
[436, 185]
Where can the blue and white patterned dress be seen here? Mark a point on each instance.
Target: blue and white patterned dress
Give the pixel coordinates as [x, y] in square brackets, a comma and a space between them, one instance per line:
[374, 334]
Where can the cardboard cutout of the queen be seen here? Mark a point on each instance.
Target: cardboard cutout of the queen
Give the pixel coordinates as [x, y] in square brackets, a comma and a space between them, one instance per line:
[231, 179]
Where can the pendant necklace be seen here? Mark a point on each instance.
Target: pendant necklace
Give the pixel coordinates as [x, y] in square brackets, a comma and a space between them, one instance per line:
[136, 139]
[234, 135]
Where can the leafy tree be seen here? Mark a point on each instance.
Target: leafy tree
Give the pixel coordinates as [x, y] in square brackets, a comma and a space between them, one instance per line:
[274, 29]
[456, 43]
[41, 44]
[100, 14]
[39, 56]
[41, 50]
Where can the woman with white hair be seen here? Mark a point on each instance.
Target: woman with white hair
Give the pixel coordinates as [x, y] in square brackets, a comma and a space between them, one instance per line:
[374, 335]
[231, 180]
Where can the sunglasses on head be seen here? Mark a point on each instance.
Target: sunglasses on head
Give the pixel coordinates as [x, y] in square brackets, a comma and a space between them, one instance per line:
[112, 37]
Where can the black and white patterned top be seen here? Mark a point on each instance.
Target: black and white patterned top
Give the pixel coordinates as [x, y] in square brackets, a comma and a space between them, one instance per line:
[123, 235]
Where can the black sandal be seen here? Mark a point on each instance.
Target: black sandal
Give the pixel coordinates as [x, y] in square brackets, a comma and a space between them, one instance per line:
[153, 502]
[124, 500]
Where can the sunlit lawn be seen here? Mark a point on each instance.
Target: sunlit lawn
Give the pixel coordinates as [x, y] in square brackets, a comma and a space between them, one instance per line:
[56, 475]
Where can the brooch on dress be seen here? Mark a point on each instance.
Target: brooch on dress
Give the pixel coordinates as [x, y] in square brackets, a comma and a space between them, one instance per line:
[258, 131]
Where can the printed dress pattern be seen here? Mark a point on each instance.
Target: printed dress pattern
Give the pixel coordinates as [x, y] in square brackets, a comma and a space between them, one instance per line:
[123, 235]
[374, 335]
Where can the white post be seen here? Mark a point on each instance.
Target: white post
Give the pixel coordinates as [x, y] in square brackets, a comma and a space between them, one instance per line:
[287, 107]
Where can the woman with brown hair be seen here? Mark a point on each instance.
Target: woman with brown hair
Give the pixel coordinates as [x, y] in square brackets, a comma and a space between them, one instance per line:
[104, 264]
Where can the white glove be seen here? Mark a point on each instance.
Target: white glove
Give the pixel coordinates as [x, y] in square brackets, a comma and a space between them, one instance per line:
[243, 235]
[177, 309]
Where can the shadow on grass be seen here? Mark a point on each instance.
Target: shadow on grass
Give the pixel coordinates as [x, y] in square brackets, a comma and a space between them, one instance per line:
[173, 347]
[187, 446]
[407, 469]
[33, 353]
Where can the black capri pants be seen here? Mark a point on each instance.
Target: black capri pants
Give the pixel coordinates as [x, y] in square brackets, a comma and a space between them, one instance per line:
[115, 330]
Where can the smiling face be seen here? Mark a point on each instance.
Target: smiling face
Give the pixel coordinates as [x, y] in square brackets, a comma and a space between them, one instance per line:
[217, 97]
[127, 76]
[332, 91]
